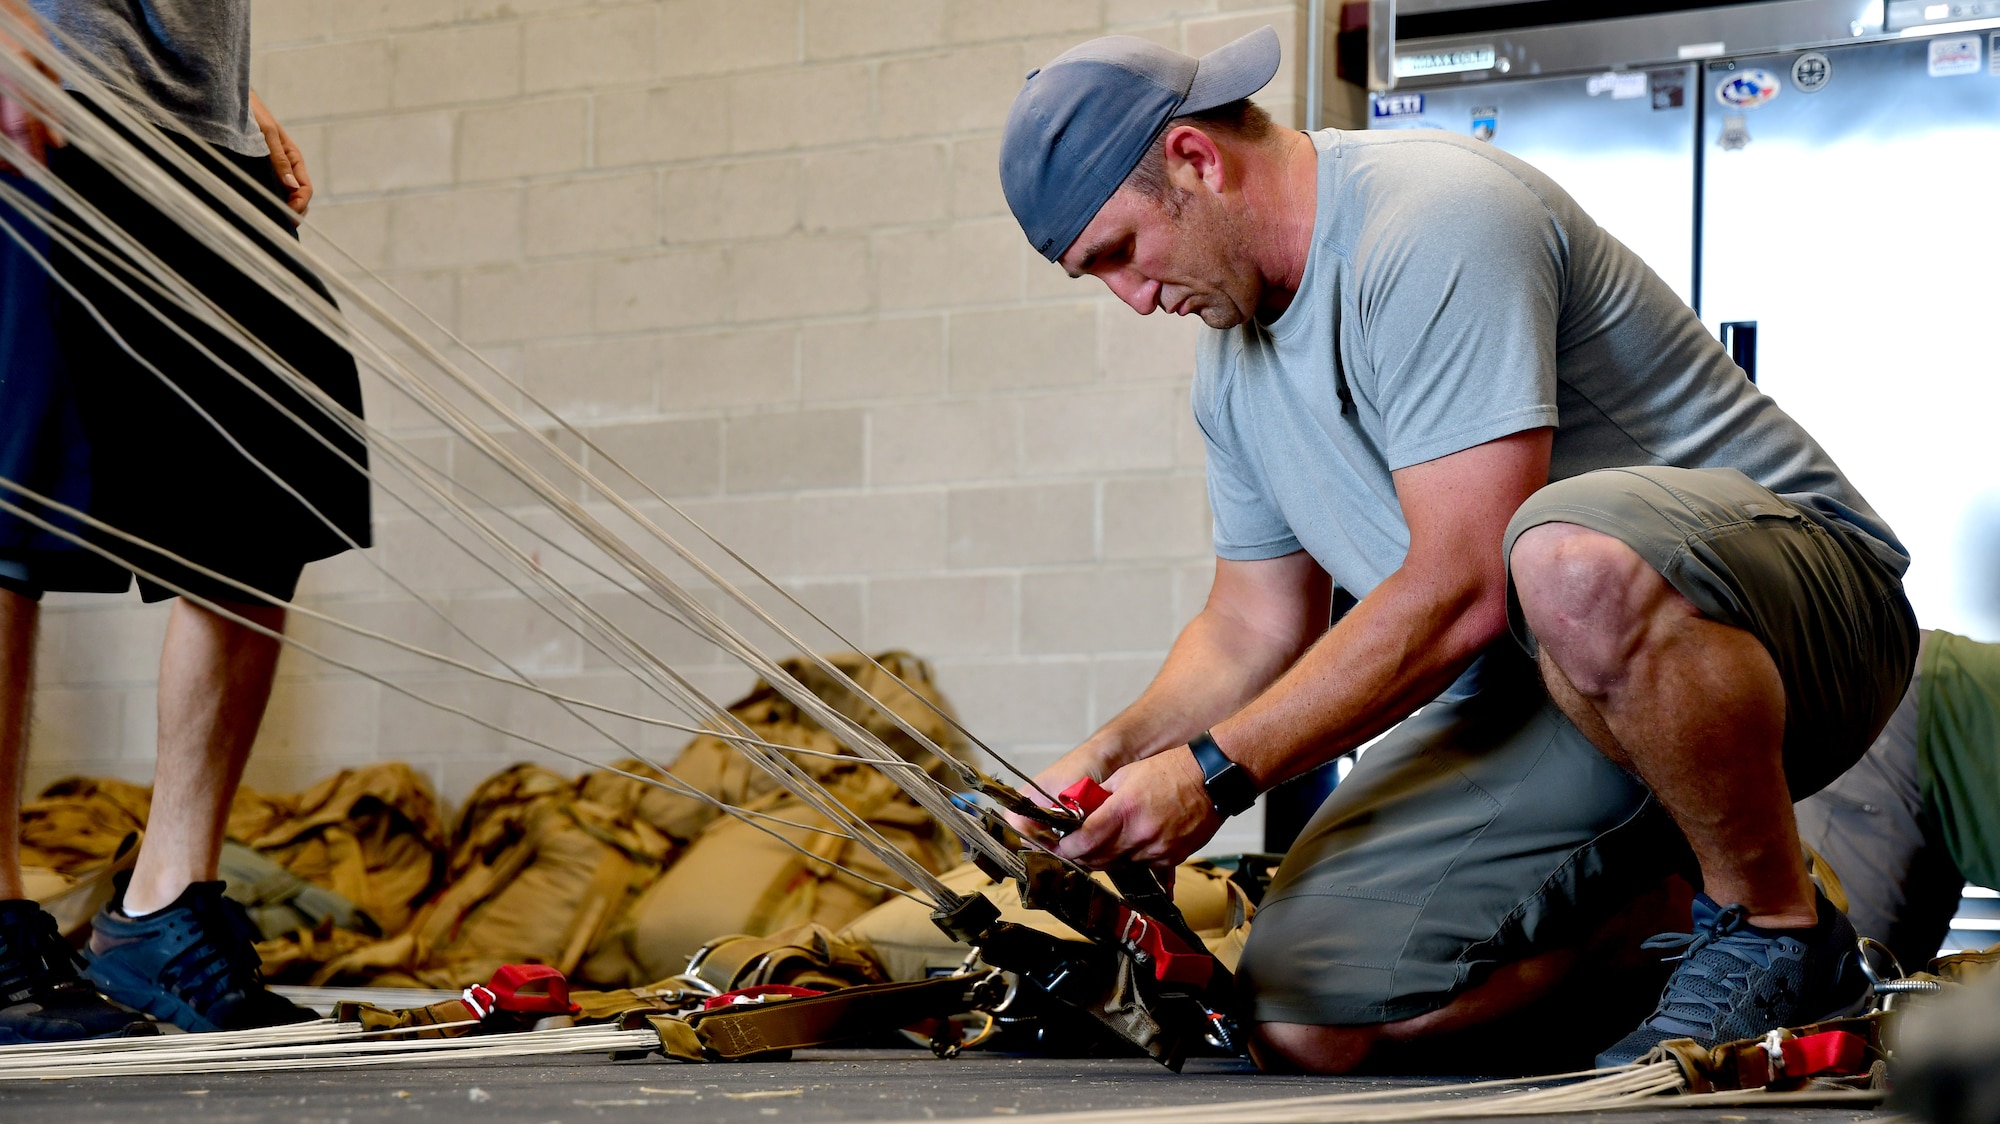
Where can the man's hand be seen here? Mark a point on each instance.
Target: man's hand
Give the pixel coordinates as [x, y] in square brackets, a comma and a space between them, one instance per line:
[1158, 815]
[1091, 759]
[17, 122]
[286, 159]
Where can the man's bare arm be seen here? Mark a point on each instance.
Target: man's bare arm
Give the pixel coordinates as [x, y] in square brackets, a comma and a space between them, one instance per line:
[1259, 617]
[1405, 642]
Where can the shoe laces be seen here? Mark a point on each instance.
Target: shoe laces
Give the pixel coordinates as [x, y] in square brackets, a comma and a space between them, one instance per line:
[34, 957]
[1715, 960]
[221, 960]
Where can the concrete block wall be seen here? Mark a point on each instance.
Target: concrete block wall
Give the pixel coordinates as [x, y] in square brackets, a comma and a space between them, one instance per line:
[758, 247]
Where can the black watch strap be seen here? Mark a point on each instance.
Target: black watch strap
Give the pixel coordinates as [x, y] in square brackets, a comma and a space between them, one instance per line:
[1230, 788]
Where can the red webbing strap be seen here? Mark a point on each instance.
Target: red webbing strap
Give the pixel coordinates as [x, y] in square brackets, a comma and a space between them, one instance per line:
[1172, 960]
[758, 994]
[531, 989]
[1833, 1053]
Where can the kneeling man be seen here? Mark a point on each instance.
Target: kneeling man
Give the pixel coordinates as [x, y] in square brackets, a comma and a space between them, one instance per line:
[1635, 607]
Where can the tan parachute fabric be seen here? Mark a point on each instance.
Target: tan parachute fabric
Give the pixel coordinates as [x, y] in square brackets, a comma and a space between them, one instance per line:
[372, 835]
[612, 881]
[615, 882]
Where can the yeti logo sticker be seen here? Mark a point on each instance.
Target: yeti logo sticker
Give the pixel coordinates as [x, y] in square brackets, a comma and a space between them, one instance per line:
[1388, 106]
[1747, 90]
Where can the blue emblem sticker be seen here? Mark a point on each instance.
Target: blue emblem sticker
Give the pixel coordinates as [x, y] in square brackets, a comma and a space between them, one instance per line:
[1396, 105]
[1485, 120]
[1747, 89]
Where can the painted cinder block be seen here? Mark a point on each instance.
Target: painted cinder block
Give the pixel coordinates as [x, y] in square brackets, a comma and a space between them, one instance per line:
[893, 185]
[602, 214]
[941, 617]
[590, 49]
[675, 121]
[872, 359]
[677, 289]
[944, 266]
[836, 29]
[1022, 525]
[782, 452]
[458, 65]
[523, 139]
[717, 370]
[1016, 348]
[952, 92]
[714, 36]
[1097, 610]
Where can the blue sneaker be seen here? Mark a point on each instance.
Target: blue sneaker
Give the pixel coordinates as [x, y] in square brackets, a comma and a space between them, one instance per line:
[43, 998]
[1736, 981]
[193, 964]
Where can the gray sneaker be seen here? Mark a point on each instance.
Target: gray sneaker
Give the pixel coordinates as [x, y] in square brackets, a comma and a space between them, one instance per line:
[1736, 981]
[43, 996]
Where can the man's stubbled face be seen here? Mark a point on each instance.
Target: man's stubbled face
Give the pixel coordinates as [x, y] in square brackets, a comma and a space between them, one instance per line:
[1180, 254]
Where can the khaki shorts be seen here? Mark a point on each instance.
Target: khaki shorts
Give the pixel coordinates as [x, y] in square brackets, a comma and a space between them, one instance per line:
[1486, 828]
[1830, 612]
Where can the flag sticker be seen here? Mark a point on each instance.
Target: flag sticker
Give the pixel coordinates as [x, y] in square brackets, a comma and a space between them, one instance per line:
[1954, 55]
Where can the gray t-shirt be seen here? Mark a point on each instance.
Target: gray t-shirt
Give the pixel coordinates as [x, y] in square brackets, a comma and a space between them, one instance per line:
[192, 57]
[1455, 295]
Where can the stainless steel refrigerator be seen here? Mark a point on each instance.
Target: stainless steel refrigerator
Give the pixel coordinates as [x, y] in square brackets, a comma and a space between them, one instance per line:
[1820, 179]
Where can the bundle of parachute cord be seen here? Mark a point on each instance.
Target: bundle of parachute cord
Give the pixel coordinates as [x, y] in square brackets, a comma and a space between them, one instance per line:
[598, 567]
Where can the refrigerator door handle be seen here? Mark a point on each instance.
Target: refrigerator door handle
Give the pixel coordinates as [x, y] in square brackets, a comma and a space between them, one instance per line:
[1739, 338]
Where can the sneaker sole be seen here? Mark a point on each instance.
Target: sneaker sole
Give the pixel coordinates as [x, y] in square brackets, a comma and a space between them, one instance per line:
[145, 995]
[1605, 1061]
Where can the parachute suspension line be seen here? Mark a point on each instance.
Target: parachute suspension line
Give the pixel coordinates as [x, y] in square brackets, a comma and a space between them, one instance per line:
[793, 780]
[667, 781]
[491, 449]
[939, 803]
[171, 154]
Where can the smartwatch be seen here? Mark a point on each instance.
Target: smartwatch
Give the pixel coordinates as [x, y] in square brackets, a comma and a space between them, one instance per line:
[1230, 789]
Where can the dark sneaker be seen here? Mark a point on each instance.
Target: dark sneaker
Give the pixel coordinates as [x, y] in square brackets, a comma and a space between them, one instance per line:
[1736, 981]
[43, 998]
[193, 964]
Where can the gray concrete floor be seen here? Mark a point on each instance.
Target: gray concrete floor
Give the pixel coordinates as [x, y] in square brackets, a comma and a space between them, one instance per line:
[830, 1085]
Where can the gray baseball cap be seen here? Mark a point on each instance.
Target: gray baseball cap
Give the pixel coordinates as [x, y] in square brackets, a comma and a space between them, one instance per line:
[1083, 122]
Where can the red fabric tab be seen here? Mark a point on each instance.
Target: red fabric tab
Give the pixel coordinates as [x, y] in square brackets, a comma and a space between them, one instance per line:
[1830, 1053]
[531, 989]
[759, 994]
[1173, 961]
[1083, 797]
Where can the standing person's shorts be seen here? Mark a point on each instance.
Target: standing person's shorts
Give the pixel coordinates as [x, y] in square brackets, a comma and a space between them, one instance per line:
[1486, 829]
[181, 452]
[42, 447]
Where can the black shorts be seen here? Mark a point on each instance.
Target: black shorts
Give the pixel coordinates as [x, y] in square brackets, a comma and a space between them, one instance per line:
[179, 451]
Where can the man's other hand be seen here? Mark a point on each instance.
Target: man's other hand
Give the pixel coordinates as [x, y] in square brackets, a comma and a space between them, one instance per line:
[1158, 815]
[286, 159]
[17, 122]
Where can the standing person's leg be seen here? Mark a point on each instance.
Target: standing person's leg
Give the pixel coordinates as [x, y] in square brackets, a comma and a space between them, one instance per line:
[170, 943]
[215, 680]
[18, 618]
[1736, 654]
[47, 998]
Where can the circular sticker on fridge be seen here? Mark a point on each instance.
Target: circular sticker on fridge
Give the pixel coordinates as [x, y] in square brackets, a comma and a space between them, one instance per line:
[1747, 89]
[1810, 72]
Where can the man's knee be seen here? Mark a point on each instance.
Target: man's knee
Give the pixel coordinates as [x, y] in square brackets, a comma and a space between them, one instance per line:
[1589, 600]
[1305, 1048]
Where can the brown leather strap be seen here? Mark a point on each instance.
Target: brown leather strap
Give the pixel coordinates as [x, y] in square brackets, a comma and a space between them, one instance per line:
[749, 1029]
